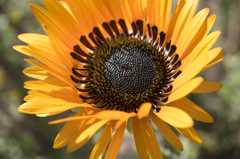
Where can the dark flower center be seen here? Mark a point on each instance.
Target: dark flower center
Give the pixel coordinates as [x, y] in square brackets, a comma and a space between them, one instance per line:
[126, 70]
[130, 70]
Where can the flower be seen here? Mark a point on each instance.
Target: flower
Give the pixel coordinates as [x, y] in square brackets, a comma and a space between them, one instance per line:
[120, 60]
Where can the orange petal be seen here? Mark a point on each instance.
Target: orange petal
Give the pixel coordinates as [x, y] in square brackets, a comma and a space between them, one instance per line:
[150, 139]
[190, 31]
[82, 15]
[144, 110]
[185, 16]
[124, 119]
[46, 59]
[58, 49]
[193, 110]
[110, 114]
[90, 131]
[175, 117]
[207, 87]
[51, 83]
[185, 89]
[175, 17]
[189, 72]
[200, 35]
[42, 106]
[51, 71]
[164, 15]
[115, 143]
[191, 134]
[71, 128]
[36, 72]
[202, 48]
[22, 49]
[167, 132]
[139, 141]
[101, 145]
[212, 54]
[48, 114]
[70, 119]
[44, 17]
[72, 145]
[66, 20]
[216, 60]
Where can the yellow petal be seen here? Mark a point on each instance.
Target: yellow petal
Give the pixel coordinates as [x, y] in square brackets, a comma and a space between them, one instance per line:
[167, 132]
[48, 114]
[185, 16]
[47, 59]
[44, 17]
[90, 131]
[175, 17]
[72, 145]
[110, 114]
[71, 128]
[115, 143]
[70, 119]
[110, 9]
[51, 83]
[207, 87]
[201, 33]
[192, 109]
[42, 106]
[47, 51]
[115, 8]
[144, 110]
[22, 49]
[52, 71]
[36, 72]
[190, 31]
[101, 145]
[35, 39]
[190, 72]
[124, 119]
[63, 93]
[185, 89]
[82, 15]
[212, 54]
[202, 48]
[175, 117]
[150, 139]
[191, 134]
[127, 10]
[65, 5]
[58, 49]
[216, 60]
[139, 141]
[65, 18]
[164, 15]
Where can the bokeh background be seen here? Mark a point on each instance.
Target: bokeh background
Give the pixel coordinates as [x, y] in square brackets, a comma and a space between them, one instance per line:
[30, 137]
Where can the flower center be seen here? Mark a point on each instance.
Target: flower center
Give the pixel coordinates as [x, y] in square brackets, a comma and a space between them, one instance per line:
[130, 70]
[126, 70]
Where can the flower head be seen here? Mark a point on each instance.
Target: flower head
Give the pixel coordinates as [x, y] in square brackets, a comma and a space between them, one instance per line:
[120, 60]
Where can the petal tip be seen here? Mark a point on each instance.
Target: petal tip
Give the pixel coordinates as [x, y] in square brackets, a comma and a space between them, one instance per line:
[144, 110]
[20, 109]
[55, 146]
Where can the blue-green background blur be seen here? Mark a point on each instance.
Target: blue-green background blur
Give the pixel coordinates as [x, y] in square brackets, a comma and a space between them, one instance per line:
[25, 136]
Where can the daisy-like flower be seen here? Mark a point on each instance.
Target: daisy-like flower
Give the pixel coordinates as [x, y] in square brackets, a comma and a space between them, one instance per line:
[120, 60]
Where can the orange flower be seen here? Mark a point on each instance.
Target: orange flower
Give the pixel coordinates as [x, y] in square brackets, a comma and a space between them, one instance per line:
[120, 60]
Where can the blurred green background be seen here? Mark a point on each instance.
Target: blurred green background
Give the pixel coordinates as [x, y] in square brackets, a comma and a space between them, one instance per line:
[29, 137]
